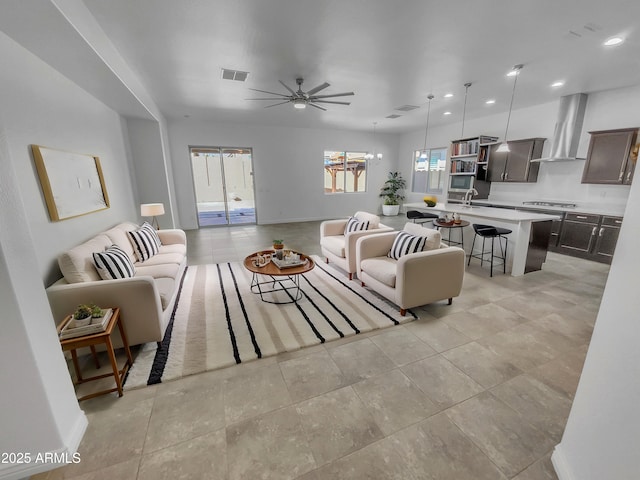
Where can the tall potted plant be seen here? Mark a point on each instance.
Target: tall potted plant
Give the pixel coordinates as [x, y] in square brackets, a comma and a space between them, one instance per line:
[391, 192]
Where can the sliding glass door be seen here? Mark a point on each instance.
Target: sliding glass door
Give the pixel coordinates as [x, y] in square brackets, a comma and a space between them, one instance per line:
[223, 182]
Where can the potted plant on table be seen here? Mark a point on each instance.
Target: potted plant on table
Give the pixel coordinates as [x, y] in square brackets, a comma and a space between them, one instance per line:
[278, 245]
[82, 316]
[391, 191]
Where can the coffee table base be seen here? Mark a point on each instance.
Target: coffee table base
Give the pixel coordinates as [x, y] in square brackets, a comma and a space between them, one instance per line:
[289, 284]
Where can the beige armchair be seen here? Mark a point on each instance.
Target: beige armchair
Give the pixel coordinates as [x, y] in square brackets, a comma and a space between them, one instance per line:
[340, 248]
[416, 278]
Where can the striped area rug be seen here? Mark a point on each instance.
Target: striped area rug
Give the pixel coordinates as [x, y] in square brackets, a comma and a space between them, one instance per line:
[219, 322]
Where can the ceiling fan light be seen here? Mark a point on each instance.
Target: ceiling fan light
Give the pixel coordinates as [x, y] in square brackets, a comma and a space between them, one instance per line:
[300, 103]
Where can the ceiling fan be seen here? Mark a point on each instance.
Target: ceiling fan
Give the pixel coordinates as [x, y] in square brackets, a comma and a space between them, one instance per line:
[301, 99]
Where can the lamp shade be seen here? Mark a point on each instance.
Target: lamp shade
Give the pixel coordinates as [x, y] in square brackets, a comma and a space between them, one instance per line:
[151, 209]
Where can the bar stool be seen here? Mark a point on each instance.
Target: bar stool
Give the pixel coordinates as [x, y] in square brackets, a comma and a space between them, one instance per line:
[489, 231]
[420, 217]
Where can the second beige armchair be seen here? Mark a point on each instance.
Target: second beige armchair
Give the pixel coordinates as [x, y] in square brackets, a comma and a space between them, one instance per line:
[433, 273]
[339, 245]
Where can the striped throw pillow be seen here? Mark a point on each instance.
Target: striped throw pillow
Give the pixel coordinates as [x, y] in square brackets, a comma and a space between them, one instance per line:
[355, 225]
[405, 244]
[145, 241]
[113, 263]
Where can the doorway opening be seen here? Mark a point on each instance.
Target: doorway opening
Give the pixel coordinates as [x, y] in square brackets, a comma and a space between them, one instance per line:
[223, 183]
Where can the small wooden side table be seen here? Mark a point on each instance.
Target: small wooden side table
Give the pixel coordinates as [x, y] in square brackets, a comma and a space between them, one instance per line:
[91, 341]
[451, 226]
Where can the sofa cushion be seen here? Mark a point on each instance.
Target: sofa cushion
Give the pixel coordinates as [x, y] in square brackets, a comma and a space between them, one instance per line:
[158, 271]
[404, 244]
[355, 225]
[119, 237]
[334, 244]
[113, 263]
[163, 259]
[76, 264]
[383, 269]
[374, 220]
[174, 248]
[145, 242]
[433, 237]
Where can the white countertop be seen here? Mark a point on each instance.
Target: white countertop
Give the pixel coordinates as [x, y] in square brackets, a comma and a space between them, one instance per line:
[504, 214]
[612, 210]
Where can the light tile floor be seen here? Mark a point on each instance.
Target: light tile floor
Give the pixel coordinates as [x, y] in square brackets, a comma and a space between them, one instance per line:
[480, 389]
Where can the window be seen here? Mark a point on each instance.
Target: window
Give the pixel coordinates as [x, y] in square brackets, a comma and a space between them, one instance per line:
[345, 172]
[429, 170]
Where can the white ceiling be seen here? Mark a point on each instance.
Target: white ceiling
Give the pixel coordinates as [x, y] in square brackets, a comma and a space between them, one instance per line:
[390, 53]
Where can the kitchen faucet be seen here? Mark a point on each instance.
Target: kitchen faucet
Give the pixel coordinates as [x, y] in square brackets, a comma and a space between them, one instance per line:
[467, 196]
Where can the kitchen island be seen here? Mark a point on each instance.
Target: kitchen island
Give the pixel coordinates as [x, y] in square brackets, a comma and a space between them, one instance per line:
[527, 247]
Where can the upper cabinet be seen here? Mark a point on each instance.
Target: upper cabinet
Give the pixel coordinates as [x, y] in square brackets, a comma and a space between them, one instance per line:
[515, 165]
[610, 159]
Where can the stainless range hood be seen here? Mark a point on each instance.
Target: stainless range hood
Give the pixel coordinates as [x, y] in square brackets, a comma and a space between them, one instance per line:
[564, 145]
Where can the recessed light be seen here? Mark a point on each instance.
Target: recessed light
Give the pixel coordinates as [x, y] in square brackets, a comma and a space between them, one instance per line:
[490, 102]
[447, 113]
[448, 95]
[613, 41]
[557, 84]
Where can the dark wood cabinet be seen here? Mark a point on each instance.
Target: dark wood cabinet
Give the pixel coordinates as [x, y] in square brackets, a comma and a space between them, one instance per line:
[607, 238]
[609, 158]
[515, 166]
[589, 236]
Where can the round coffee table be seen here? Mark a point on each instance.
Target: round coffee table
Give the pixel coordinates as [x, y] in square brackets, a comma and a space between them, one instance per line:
[282, 279]
[451, 226]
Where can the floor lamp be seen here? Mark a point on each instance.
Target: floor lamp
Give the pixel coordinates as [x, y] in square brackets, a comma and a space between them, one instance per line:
[152, 210]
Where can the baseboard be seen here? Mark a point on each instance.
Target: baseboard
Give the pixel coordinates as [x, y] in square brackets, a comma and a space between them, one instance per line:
[36, 463]
[560, 464]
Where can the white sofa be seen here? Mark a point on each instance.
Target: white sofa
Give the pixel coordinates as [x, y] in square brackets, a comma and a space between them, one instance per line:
[340, 248]
[414, 279]
[146, 300]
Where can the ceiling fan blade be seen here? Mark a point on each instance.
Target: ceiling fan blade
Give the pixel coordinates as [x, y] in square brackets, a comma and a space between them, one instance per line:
[330, 101]
[317, 106]
[272, 99]
[270, 93]
[280, 103]
[318, 88]
[346, 94]
[288, 88]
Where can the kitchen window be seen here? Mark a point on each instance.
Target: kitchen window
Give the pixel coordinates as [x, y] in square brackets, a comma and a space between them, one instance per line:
[429, 170]
[345, 172]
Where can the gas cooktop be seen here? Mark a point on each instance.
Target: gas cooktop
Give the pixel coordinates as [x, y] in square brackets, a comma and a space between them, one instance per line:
[550, 204]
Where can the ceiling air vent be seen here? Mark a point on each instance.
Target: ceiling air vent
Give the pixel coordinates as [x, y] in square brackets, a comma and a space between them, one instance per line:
[234, 75]
[406, 108]
[393, 115]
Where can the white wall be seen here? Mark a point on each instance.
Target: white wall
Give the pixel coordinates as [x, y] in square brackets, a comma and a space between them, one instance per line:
[38, 409]
[557, 180]
[42, 107]
[601, 437]
[152, 182]
[288, 168]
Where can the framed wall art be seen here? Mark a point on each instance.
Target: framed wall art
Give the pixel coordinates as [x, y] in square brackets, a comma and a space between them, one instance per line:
[72, 183]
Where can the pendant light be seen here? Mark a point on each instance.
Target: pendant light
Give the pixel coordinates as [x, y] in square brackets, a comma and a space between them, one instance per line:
[426, 131]
[369, 156]
[464, 108]
[504, 146]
